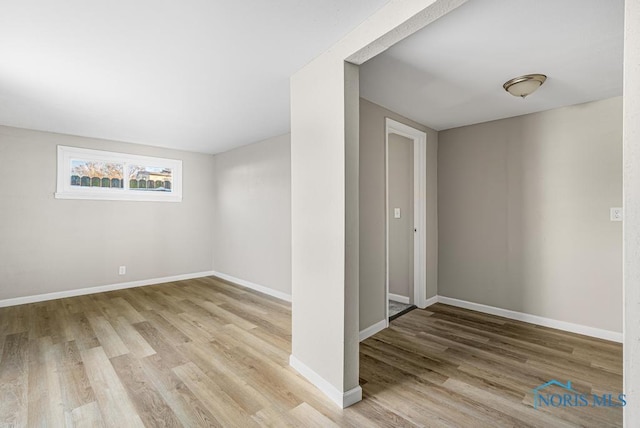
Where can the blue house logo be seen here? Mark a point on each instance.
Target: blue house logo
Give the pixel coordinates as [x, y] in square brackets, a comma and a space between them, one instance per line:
[572, 398]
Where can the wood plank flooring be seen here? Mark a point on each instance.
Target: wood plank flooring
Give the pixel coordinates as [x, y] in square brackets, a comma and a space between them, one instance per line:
[204, 352]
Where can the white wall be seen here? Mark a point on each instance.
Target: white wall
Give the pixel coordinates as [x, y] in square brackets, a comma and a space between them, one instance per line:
[524, 214]
[252, 213]
[52, 245]
[324, 351]
[631, 147]
[324, 196]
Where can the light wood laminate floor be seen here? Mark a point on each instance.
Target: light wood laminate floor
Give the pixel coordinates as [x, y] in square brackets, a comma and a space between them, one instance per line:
[203, 352]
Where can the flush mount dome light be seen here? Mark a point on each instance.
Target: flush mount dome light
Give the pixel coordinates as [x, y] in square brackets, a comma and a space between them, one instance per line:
[524, 85]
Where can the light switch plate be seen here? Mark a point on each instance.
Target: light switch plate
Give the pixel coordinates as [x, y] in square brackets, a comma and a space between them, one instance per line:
[396, 213]
[616, 214]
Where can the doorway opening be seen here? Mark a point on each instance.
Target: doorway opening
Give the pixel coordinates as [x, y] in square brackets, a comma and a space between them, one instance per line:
[405, 170]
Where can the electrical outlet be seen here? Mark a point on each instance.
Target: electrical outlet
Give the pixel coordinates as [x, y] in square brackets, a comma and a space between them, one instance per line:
[122, 270]
[616, 214]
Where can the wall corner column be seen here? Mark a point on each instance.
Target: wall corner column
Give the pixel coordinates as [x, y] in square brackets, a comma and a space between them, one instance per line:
[324, 211]
[631, 201]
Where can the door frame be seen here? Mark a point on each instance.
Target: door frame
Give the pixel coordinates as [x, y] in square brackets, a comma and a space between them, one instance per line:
[419, 139]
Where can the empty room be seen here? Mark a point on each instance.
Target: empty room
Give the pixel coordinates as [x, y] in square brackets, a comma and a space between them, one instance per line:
[381, 213]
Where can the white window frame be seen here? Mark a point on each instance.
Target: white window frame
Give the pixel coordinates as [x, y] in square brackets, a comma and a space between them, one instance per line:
[65, 190]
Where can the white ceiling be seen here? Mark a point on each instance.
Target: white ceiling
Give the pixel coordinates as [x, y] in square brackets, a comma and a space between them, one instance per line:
[208, 76]
[198, 75]
[451, 73]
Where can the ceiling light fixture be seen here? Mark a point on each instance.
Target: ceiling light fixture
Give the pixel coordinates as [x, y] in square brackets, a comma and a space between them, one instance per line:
[524, 85]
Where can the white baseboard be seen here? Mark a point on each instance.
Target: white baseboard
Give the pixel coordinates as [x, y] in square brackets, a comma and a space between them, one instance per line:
[370, 331]
[99, 289]
[430, 301]
[257, 287]
[352, 396]
[399, 298]
[342, 399]
[534, 319]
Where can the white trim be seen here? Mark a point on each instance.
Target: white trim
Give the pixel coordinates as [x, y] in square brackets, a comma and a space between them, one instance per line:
[370, 331]
[420, 218]
[257, 287]
[342, 399]
[534, 319]
[351, 397]
[399, 298]
[141, 283]
[386, 222]
[430, 301]
[99, 289]
[419, 139]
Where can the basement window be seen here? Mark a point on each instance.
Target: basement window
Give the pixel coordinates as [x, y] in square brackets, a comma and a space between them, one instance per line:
[97, 174]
